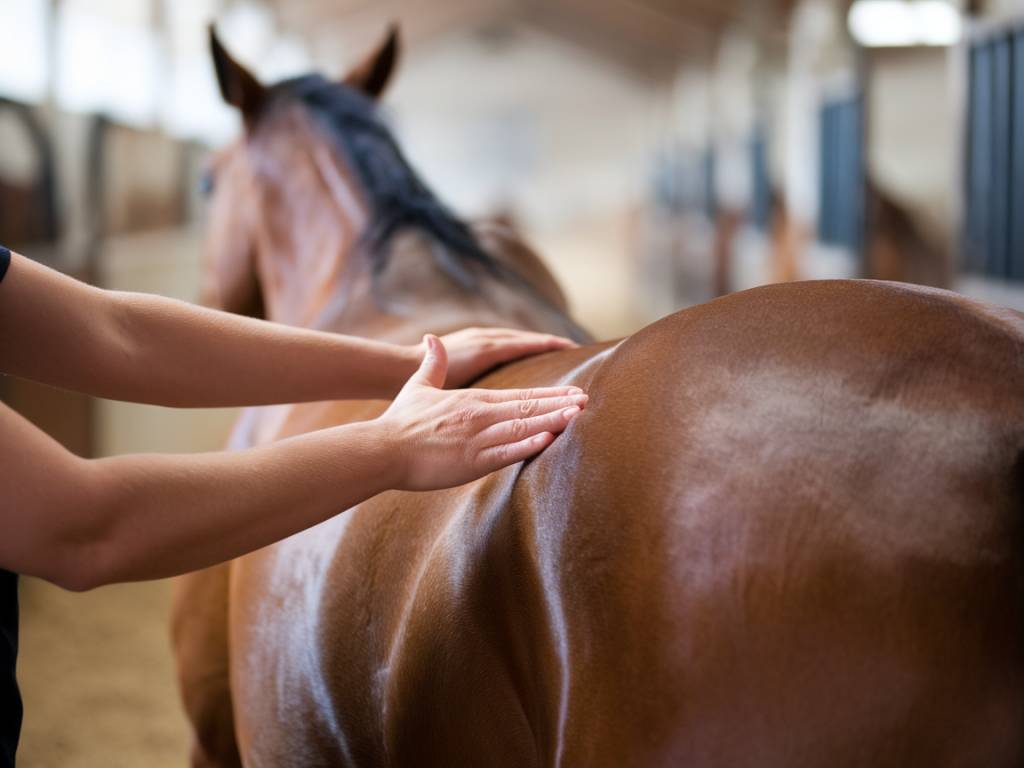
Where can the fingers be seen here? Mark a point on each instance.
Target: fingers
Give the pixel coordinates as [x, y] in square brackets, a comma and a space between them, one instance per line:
[501, 345]
[534, 341]
[434, 367]
[522, 409]
[526, 338]
[500, 456]
[556, 342]
[560, 342]
[516, 430]
[506, 395]
[504, 349]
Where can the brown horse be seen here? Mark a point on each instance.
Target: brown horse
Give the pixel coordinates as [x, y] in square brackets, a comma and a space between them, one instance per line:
[787, 531]
[898, 246]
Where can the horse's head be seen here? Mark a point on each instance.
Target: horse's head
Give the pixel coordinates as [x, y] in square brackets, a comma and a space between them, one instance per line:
[314, 203]
[282, 209]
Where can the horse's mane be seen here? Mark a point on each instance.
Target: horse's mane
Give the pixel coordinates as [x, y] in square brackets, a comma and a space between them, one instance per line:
[398, 198]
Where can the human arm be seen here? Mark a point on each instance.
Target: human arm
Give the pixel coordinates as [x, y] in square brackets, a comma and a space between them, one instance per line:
[151, 349]
[83, 523]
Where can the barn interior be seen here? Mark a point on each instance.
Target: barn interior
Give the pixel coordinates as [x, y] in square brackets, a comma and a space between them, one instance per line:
[657, 153]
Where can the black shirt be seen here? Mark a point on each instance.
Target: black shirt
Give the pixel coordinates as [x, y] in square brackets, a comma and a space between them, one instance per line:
[10, 699]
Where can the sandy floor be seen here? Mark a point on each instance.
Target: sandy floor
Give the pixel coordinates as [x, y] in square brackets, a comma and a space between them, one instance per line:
[97, 679]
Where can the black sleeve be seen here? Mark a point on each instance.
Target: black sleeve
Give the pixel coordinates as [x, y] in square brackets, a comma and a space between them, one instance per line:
[5, 262]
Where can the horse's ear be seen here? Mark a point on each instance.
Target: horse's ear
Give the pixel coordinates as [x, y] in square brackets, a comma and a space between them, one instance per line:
[238, 86]
[372, 74]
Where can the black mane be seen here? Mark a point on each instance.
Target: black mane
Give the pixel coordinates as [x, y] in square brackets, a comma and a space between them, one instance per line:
[398, 199]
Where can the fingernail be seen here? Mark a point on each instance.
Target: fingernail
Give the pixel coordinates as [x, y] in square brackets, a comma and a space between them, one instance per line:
[570, 412]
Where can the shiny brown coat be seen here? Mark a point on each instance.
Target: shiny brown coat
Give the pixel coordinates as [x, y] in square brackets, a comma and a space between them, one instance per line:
[788, 530]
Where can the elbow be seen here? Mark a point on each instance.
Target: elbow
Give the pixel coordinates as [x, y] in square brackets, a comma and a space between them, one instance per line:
[80, 565]
[77, 579]
[80, 551]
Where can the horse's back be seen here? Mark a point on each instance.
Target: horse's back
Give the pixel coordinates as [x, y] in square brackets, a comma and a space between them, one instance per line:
[788, 531]
[785, 531]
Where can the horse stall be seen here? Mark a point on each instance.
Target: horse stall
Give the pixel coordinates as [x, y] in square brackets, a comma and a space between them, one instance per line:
[990, 70]
[785, 531]
[770, 137]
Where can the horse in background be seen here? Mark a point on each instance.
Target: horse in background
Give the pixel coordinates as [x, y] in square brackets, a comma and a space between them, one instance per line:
[898, 247]
[786, 531]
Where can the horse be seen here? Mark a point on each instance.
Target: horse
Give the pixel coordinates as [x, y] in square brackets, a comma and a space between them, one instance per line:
[898, 246]
[788, 529]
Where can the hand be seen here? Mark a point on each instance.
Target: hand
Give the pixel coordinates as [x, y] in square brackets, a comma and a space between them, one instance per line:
[444, 439]
[474, 351]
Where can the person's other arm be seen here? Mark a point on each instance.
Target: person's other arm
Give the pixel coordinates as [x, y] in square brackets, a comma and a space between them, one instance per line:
[150, 349]
[83, 523]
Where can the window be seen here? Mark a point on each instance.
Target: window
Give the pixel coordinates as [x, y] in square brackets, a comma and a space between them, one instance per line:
[761, 201]
[108, 60]
[24, 74]
[841, 215]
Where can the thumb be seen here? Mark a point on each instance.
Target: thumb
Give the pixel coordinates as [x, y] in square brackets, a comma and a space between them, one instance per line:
[434, 368]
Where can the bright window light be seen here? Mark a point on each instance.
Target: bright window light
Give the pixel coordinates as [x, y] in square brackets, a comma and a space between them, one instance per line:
[891, 23]
[940, 23]
[24, 72]
[192, 106]
[108, 63]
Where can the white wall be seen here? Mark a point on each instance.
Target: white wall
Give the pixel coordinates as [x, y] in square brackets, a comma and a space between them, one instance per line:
[913, 150]
[734, 116]
[538, 125]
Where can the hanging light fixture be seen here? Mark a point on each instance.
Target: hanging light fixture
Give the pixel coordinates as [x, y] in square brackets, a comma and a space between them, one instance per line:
[895, 23]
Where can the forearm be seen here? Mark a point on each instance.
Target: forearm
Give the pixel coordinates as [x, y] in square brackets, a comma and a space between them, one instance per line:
[157, 516]
[155, 350]
[182, 355]
[150, 349]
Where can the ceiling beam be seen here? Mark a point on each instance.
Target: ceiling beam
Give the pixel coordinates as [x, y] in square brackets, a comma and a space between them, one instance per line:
[648, 37]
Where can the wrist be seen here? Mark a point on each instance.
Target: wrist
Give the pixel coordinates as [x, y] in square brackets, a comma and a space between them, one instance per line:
[402, 362]
[384, 448]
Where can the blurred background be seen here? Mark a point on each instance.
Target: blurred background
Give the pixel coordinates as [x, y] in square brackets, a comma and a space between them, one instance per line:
[658, 153]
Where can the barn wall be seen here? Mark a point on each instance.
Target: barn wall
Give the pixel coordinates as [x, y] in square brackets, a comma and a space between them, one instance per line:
[912, 133]
[545, 132]
[537, 125]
